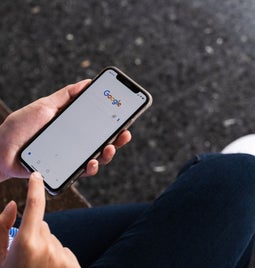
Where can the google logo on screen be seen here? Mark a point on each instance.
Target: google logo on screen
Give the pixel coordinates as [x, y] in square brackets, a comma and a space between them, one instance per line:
[111, 98]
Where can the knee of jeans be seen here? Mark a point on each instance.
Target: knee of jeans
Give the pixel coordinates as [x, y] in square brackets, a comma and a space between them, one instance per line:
[223, 178]
[230, 170]
[195, 160]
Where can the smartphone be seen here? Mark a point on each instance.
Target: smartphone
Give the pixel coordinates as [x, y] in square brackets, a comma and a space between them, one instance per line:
[62, 149]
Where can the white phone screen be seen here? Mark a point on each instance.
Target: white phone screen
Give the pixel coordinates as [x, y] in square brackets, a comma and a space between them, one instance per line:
[74, 136]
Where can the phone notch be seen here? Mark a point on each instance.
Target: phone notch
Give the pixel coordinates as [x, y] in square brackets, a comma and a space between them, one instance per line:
[130, 84]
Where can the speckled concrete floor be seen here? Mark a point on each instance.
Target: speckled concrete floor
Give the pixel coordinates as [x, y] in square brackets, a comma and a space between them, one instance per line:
[196, 57]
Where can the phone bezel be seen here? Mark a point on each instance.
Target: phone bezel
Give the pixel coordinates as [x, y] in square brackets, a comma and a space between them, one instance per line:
[125, 125]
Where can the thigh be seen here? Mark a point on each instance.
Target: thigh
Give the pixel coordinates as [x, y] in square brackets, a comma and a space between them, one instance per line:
[205, 219]
[89, 232]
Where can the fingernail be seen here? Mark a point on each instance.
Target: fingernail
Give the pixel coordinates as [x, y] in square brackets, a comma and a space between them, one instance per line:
[37, 175]
[94, 165]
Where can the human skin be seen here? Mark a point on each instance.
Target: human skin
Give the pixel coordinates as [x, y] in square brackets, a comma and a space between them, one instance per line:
[22, 124]
[34, 245]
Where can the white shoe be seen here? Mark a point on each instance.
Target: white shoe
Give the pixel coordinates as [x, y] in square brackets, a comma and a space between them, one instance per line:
[245, 144]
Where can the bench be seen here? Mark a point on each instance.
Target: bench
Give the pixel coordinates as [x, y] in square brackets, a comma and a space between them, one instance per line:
[16, 189]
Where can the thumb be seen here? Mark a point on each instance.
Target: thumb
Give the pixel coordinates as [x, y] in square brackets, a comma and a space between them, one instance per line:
[7, 218]
[63, 96]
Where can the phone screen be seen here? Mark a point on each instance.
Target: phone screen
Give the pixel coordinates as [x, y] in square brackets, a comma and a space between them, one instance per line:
[94, 118]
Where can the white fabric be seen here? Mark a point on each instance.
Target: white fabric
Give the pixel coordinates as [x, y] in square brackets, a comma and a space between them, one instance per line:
[245, 144]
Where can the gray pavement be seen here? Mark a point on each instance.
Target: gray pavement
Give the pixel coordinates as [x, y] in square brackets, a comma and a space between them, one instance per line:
[196, 57]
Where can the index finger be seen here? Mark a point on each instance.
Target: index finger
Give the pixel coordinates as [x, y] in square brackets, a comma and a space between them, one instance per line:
[35, 204]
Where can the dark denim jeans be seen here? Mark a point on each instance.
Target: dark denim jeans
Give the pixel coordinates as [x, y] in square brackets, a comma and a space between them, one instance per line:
[206, 218]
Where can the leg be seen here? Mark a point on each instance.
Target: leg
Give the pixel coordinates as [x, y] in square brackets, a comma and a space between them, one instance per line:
[89, 232]
[205, 219]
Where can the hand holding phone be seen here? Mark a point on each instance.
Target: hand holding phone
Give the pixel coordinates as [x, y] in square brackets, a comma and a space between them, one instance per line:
[21, 125]
[62, 149]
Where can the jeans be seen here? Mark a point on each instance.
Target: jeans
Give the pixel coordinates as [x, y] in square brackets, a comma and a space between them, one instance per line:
[206, 218]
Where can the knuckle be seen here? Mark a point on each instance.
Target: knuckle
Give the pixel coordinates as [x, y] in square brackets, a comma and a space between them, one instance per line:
[28, 244]
[33, 202]
[45, 226]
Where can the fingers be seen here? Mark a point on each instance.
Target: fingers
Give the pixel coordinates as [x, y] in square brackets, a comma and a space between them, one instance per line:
[91, 169]
[7, 219]
[63, 96]
[103, 159]
[8, 216]
[124, 138]
[110, 150]
[35, 204]
[107, 155]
